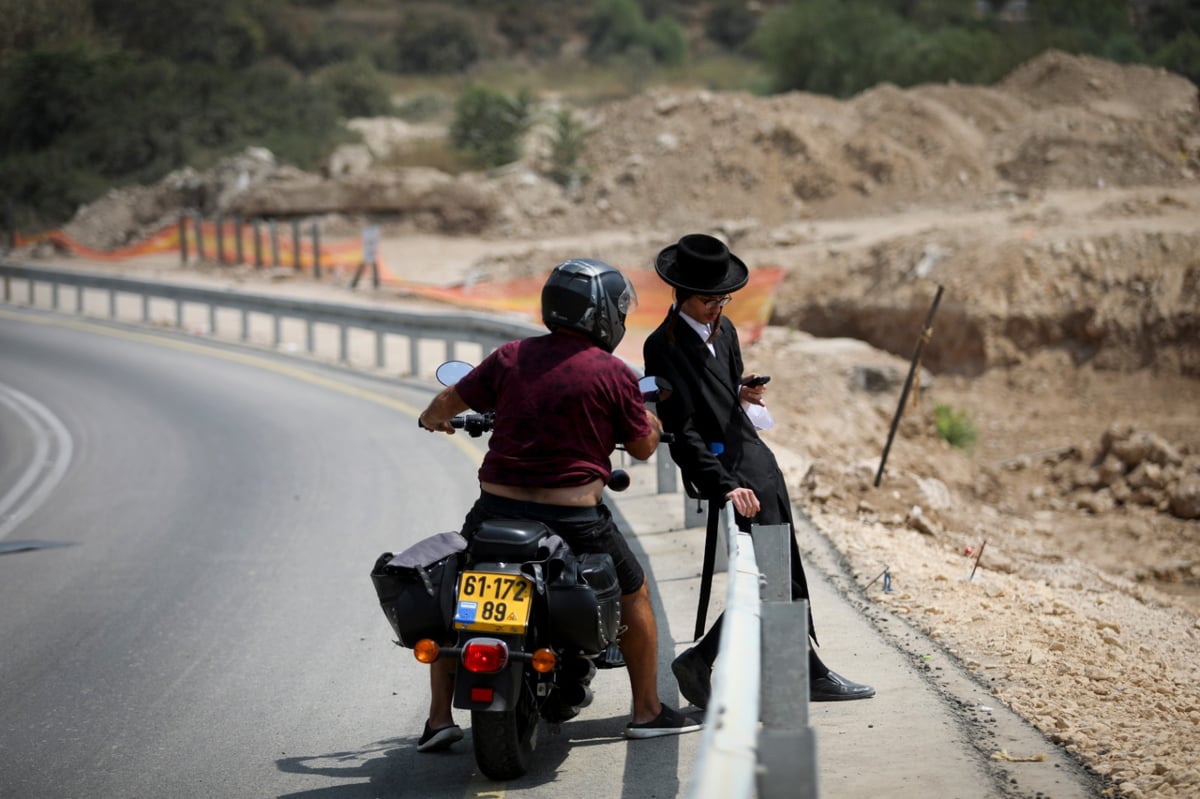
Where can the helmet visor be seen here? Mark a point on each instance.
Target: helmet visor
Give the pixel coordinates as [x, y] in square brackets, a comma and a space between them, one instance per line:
[627, 300]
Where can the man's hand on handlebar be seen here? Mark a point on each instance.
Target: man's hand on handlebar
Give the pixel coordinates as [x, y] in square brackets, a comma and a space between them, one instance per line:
[435, 427]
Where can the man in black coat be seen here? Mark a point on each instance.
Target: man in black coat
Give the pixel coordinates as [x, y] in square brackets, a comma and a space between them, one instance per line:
[716, 443]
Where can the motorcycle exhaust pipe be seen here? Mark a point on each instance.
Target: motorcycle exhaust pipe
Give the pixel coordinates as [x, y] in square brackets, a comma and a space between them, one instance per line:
[580, 670]
[576, 695]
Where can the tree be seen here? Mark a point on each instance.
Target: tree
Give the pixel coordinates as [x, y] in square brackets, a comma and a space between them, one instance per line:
[488, 124]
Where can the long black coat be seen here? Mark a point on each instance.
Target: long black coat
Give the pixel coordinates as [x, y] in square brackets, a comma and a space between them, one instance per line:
[702, 409]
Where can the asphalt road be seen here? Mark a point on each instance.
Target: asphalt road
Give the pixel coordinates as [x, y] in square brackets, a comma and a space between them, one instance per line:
[185, 607]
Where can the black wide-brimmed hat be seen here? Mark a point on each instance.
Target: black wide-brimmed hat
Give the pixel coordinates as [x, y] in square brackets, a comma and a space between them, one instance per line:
[701, 264]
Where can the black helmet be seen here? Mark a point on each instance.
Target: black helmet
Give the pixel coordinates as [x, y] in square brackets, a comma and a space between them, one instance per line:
[589, 296]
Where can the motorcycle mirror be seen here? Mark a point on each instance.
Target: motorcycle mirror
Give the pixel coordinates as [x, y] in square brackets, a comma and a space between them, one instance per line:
[451, 372]
[654, 388]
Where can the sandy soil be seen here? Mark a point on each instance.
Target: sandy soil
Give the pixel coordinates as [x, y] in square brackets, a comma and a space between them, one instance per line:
[1059, 558]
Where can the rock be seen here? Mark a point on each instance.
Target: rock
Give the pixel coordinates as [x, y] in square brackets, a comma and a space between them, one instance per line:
[1184, 497]
[917, 520]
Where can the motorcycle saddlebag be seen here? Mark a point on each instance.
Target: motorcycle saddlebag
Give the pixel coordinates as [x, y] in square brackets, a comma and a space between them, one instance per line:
[585, 604]
[416, 587]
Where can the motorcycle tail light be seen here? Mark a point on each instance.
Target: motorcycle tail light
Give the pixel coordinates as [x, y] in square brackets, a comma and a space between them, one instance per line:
[426, 651]
[485, 655]
[544, 661]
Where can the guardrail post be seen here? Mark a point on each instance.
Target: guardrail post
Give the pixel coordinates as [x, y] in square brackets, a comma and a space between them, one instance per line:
[664, 468]
[237, 238]
[257, 243]
[274, 225]
[220, 221]
[414, 355]
[786, 744]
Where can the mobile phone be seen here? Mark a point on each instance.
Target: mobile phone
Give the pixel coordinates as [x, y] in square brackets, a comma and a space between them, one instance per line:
[761, 380]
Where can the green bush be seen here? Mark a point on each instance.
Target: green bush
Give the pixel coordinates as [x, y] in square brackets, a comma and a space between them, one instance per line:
[358, 88]
[730, 23]
[568, 139]
[488, 125]
[1181, 55]
[437, 40]
[75, 123]
[955, 427]
[616, 27]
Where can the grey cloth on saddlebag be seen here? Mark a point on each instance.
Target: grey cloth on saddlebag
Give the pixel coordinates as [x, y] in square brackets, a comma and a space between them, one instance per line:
[416, 587]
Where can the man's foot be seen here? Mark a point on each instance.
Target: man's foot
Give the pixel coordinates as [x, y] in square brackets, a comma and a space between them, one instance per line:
[833, 687]
[694, 677]
[439, 740]
[669, 722]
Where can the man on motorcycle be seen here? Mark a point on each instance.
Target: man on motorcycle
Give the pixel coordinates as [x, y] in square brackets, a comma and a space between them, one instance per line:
[563, 402]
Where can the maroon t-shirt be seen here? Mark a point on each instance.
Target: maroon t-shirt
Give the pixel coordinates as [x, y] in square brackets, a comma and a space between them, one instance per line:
[561, 404]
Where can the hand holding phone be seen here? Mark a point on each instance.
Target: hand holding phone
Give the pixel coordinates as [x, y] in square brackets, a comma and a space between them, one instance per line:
[754, 382]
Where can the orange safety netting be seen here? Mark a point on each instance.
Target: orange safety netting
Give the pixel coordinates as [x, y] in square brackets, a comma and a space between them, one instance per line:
[224, 247]
[750, 310]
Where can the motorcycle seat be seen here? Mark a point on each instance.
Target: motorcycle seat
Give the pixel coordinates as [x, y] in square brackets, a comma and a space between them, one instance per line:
[509, 540]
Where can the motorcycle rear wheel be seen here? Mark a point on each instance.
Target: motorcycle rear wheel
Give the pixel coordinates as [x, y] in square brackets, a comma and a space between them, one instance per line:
[504, 741]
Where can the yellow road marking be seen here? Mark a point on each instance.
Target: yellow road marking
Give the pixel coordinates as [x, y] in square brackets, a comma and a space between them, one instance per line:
[246, 359]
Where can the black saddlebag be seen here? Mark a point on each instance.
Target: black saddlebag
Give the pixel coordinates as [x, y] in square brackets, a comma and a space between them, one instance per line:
[416, 587]
[585, 603]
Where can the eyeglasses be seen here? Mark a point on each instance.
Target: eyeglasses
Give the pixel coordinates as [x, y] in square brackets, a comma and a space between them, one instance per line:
[715, 302]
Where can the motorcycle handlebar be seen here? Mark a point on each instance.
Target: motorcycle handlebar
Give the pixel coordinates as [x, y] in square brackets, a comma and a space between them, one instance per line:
[476, 424]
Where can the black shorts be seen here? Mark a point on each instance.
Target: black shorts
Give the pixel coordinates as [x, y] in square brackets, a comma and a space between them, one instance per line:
[585, 529]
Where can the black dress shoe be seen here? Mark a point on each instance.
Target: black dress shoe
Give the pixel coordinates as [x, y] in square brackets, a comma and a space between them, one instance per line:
[694, 677]
[833, 687]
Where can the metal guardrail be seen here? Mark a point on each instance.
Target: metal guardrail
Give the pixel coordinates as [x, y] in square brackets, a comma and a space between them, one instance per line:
[756, 735]
[451, 329]
[747, 742]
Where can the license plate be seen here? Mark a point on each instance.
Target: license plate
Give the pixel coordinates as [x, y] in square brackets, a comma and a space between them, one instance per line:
[493, 602]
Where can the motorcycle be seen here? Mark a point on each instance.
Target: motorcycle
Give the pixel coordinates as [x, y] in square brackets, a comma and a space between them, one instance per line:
[528, 622]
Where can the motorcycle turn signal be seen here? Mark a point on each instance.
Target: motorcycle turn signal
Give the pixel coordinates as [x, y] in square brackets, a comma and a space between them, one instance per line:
[426, 650]
[544, 661]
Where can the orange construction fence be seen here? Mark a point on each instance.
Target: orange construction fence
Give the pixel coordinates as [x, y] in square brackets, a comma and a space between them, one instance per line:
[283, 246]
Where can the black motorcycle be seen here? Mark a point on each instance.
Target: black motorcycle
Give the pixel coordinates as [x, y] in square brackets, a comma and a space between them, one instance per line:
[528, 621]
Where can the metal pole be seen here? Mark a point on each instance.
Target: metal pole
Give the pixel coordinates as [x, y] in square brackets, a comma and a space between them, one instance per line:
[220, 220]
[296, 245]
[316, 249]
[926, 332]
[183, 242]
[706, 574]
[199, 236]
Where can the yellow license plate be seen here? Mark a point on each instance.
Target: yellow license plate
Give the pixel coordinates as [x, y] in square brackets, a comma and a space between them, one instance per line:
[493, 602]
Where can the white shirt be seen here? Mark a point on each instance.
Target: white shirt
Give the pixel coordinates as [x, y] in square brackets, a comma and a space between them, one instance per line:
[702, 329]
